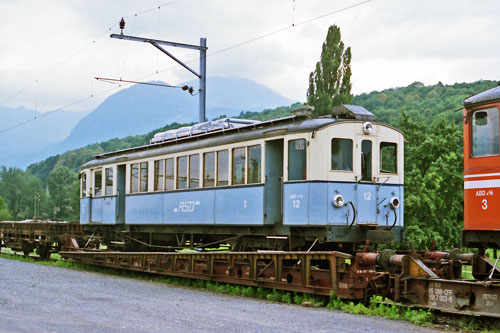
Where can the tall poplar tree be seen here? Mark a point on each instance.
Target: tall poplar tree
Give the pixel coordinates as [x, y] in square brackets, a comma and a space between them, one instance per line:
[330, 83]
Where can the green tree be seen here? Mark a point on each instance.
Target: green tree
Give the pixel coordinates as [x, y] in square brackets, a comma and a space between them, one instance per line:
[61, 185]
[330, 83]
[12, 188]
[4, 212]
[433, 181]
[20, 190]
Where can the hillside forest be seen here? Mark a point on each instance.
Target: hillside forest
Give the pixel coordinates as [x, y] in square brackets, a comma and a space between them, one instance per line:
[429, 116]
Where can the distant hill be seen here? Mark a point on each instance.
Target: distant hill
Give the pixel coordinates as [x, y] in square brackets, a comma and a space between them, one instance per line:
[142, 108]
[19, 142]
[416, 99]
[437, 100]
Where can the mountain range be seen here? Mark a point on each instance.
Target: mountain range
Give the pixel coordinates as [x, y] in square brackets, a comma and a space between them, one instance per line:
[131, 111]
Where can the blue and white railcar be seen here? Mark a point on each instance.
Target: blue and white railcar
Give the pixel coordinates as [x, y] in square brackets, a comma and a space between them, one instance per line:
[285, 183]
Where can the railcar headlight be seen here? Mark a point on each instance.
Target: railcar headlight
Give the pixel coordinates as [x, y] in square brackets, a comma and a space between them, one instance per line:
[367, 127]
[394, 202]
[338, 201]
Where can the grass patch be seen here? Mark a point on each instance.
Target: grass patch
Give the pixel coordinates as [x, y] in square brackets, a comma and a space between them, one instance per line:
[378, 306]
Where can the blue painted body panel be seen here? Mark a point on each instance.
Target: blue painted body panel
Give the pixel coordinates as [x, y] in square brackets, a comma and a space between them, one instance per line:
[366, 204]
[84, 210]
[345, 214]
[310, 203]
[189, 207]
[109, 210]
[103, 210]
[144, 209]
[225, 206]
[240, 206]
[96, 210]
[386, 216]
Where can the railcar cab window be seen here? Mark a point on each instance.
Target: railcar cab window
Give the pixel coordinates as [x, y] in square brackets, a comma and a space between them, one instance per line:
[341, 154]
[108, 181]
[388, 157]
[84, 185]
[139, 177]
[239, 166]
[159, 175]
[223, 168]
[485, 132]
[254, 164]
[97, 183]
[209, 169]
[169, 174]
[366, 160]
[194, 171]
[144, 176]
[297, 159]
[182, 172]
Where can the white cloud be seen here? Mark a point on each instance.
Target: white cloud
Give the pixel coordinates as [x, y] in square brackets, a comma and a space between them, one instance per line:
[393, 44]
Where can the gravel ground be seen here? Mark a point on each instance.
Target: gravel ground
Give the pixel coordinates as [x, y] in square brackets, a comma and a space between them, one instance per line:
[35, 298]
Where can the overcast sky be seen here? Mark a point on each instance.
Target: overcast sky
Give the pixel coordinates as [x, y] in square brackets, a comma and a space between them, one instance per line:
[64, 44]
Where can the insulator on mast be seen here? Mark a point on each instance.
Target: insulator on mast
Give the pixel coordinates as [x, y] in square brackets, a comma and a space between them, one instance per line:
[122, 25]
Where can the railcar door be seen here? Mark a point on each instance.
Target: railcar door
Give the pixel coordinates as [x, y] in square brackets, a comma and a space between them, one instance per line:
[120, 195]
[366, 195]
[273, 212]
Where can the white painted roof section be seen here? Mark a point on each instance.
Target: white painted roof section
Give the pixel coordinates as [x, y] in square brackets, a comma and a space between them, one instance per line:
[201, 128]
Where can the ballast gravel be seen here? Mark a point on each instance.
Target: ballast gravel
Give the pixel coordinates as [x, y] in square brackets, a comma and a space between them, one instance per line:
[36, 298]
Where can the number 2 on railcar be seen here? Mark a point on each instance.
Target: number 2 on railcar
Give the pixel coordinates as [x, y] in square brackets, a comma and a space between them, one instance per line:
[291, 183]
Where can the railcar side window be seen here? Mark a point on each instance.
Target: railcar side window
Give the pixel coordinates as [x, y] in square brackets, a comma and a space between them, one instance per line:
[194, 171]
[97, 183]
[209, 169]
[222, 168]
[84, 185]
[254, 164]
[366, 160]
[388, 157]
[182, 172]
[169, 174]
[144, 176]
[134, 178]
[159, 175]
[239, 166]
[342, 154]
[485, 138]
[297, 159]
[109, 181]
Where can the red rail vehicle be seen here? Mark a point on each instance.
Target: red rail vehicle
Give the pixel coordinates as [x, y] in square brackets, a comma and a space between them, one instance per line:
[482, 170]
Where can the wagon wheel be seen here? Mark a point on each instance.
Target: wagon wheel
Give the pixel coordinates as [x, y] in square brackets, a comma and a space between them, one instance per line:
[26, 248]
[43, 252]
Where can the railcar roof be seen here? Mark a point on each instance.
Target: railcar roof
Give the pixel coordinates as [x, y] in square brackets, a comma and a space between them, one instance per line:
[265, 129]
[292, 124]
[488, 96]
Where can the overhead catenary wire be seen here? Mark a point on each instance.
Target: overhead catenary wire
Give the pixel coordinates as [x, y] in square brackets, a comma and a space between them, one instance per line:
[196, 59]
[80, 50]
[260, 37]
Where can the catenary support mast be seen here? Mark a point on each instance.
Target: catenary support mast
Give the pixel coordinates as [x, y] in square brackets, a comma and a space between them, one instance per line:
[203, 61]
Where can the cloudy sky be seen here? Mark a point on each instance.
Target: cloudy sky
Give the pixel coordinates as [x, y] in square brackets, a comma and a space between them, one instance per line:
[50, 50]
